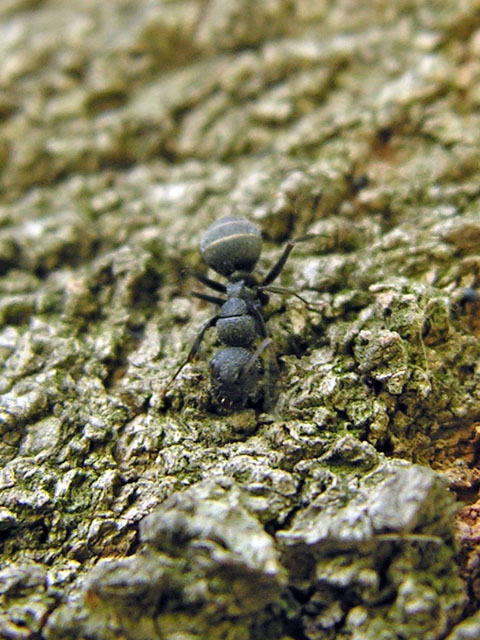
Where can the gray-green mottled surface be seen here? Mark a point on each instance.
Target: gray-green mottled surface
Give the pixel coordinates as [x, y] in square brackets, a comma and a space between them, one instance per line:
[126, 128]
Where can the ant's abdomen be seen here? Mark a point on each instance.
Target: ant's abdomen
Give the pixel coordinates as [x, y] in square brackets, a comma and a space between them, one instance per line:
[231, 244]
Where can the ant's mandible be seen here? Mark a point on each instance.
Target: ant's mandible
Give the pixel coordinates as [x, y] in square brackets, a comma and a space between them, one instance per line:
[231, 247]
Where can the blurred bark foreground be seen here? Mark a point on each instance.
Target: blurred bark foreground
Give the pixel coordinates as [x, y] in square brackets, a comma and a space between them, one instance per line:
[127, 127]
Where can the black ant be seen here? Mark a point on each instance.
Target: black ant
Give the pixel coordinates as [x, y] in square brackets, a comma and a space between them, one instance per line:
[231, 247]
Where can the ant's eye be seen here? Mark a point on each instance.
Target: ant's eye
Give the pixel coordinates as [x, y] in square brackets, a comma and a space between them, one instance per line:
[231, 244]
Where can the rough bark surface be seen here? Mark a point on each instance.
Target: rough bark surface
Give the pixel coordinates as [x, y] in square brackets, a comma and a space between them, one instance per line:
[126, 128]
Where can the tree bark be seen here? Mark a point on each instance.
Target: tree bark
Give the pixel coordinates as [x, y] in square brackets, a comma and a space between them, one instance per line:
[127, 128]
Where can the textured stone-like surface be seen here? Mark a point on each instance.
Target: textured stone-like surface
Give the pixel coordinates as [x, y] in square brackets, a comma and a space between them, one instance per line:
[126, 128]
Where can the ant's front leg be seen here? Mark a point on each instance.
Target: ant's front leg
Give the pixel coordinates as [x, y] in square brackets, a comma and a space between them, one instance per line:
[192, 353]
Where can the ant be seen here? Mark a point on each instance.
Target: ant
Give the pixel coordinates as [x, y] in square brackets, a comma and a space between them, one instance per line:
[231, 247]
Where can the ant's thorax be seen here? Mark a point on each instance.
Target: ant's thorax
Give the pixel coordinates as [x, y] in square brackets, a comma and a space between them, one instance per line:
[246, 287]
[241, 290]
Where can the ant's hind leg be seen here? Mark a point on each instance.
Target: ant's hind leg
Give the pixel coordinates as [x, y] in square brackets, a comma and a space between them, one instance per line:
[278, 266]
[276, 270]
[207, 298]
[208, 282]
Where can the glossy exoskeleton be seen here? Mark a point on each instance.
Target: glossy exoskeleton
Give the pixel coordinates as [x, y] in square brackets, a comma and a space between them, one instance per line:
[231, 247]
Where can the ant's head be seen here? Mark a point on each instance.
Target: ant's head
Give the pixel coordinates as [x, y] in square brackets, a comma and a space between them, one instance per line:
[230, 245]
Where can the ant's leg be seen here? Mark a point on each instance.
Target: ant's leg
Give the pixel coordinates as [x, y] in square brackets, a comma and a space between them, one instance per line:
[278, 266]
[213, 284]
[259, 320]
[289, 292]
[192, 353]
[207, 298]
